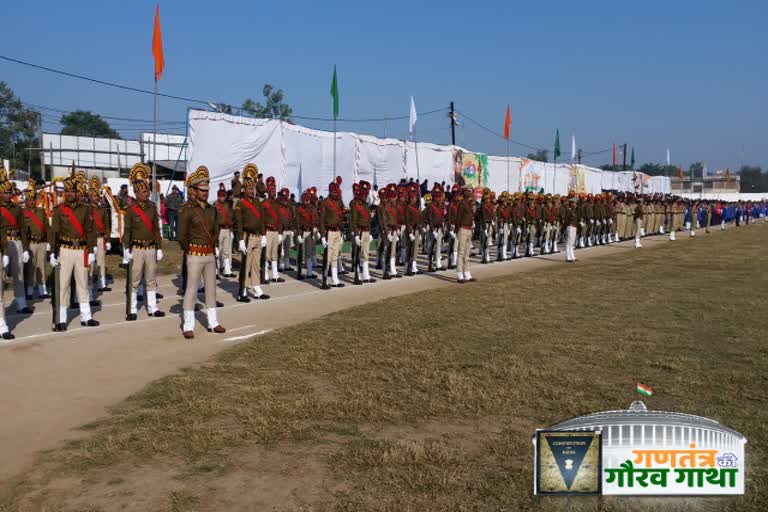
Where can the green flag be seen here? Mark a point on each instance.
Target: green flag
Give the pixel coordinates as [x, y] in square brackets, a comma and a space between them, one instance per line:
[557, 144]
[632, 159]
[335, 94]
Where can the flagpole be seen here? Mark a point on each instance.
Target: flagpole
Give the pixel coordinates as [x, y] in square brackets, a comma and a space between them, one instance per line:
[154, 146]
[334, 147]
[416, 150]
[507, 164]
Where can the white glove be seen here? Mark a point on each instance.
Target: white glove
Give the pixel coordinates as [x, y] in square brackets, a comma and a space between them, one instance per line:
[581, 223]
[127, 255]
[217, 252]
[263, 241]
[25, 256]
[279, 238]
[314, 229]
[358, 242]
[519, 230]
[610, 222]
[159, 255]
[591, 221]
[390, 237]
[241, 246]
[485, 232]
[412, 236]
[91, 259]
[324, 242]
[48, 247]
[108, 246]
[453, 234]
[52, 259]
[434, 235]
[231, 234]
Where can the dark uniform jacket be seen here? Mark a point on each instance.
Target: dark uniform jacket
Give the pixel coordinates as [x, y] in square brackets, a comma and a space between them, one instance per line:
[135, 230]
[198, 226]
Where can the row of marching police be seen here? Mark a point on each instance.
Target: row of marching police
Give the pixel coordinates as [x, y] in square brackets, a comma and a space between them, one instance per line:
[265, 229]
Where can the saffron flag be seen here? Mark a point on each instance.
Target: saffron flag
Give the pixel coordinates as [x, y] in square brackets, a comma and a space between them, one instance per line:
[614, 155]
[507, 123]
[335, 94]
[157, 46]
[728, 175]
[680, 172]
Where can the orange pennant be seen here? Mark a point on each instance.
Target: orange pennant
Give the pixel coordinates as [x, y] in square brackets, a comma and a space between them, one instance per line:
[507, 123]
[157, 46]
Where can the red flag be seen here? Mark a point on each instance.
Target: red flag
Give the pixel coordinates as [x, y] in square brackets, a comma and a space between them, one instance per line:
[614, 155]
[507, 123]
[157, 46]
[680, 172]
[728, 175]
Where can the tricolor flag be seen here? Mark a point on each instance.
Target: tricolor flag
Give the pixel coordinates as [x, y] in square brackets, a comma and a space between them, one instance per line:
[644, 390]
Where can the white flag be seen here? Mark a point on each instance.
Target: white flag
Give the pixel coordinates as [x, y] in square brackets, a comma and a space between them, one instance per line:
[668, 157]
[412, 117]
[573, 147]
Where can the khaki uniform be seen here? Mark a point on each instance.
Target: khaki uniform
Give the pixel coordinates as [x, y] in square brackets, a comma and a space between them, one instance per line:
[331, 224]
[143, 241]
[226, 234]
[389, 227]
[102, 221]
[37, 234]
[307, 223]
[413, 224]
[73, 248]
[250, 227]
[197, 235]
[3, 326]
[360, 225]
[16, 244]
[288, 224]
[463, 229]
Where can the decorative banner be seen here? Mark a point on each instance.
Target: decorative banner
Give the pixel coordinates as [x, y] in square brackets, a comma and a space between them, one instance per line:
[470, 169]
[578, 182]
[533, 175]
[641, 452]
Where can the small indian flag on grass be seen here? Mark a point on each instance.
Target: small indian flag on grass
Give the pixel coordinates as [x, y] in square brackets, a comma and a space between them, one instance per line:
[644, 390]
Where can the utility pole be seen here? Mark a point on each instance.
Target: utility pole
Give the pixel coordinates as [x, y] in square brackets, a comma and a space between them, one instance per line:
[624, 159]
[452, 116]
[578, 156]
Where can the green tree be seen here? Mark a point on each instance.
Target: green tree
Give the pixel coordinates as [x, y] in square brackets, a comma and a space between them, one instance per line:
[695, 170]
[274, 105]
[541, 155]
[753, 179]
[86, 124]
[19, 128]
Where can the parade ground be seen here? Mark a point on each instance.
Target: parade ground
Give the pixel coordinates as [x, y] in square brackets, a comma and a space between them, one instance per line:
[414, 394]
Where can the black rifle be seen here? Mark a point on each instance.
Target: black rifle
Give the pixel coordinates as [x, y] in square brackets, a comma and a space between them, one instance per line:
[410, 250]
[388, 257]
[55, 299]
[183, 273]
[500, 242]
[242, 296]
[483, 243]
[263, 278]
[326, 267]
[433, 241]
[356, 258]
[451, 245]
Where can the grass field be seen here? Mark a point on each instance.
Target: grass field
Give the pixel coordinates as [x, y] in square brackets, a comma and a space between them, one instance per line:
[428, 402]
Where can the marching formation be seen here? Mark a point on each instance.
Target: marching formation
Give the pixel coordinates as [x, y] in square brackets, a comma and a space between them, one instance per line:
[268, 231]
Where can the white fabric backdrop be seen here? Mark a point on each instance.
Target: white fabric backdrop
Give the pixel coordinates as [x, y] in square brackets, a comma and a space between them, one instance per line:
[300, 157]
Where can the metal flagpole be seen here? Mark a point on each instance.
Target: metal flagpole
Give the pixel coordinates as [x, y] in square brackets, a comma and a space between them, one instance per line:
[507, 164]
[334, 147]
[154, 149]
[416, 150]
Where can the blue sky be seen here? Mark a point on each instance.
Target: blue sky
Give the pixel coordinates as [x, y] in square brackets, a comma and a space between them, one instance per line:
[689, 76]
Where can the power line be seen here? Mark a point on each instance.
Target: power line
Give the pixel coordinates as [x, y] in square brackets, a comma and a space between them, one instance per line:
[199, 101]
[489, 130]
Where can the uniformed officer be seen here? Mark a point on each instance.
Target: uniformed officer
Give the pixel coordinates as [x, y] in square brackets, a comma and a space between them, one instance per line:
[35, 223]
[197, 235]
[142, 242]
[16, 246]
[413, 228]
[639, 214]
[102, 221]
[249, 218]
[226, 231]
[73, 240]
[274, 228]
[531, 223]
[572, 224]
[288, 224]
[360, 225]
[463, 226]
[331, 223]
[457, 196]
[5, 186]
[307, 224]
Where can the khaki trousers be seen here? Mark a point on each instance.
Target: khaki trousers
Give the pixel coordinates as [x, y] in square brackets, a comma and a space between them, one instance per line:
[198, 266]
[35, 270]
[144, 265]
[72, 263]
[334, 248]
[570, 239]
[272, 246]
[365, 246]
[638, 226]
[16, 267]
[464, 243]
[99, 268]
[225, 244]
[253, 261]
[531, 233]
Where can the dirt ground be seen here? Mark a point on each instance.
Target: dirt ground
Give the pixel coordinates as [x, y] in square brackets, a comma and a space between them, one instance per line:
[56, 383]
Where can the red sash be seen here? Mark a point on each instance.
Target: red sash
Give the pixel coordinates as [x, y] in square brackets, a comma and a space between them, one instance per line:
[363, 211]
[9, 216]
[98, 221]
[550, 217]
[78, 227]
[31, 216]
[504, 213]
[335, 209]
[271, 211]
[392, 213]
[251, 207]
[284, 212]
[305, 215]
[438, 211]
[143, 218]
[223, 211]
